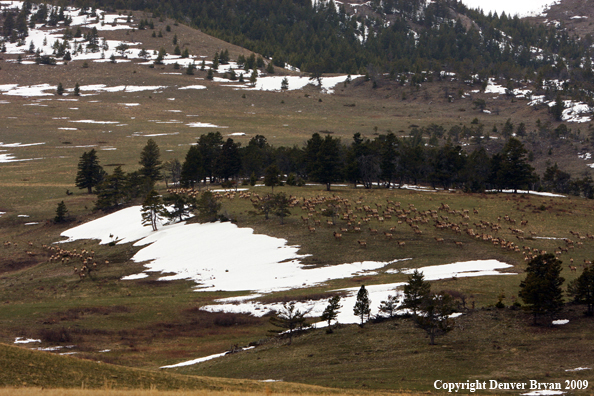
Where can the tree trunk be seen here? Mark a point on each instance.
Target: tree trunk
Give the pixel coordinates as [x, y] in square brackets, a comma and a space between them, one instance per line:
[90, 190]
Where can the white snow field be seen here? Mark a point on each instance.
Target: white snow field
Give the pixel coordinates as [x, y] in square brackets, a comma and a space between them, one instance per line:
[511, 7]
[224, 257]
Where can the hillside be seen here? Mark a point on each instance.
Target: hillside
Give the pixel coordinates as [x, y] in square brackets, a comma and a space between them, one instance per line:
[388, 94]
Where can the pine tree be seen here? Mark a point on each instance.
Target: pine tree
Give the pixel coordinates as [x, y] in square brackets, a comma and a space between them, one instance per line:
[61, 213]
[281, 205]
[290, 318]
[362, 306]
[60, 89]
[272, 176]
[270, 68]
[436, 309]
[254, 77]
[415, 291]
[582, 289]
[152, 210]
[151, 162]
[327, 167]
[389, 305]
[90, 173]
[210, 74]
[331, 312]
[113, 190]
[541, 289]
[514, 170]
[285, 84]
[228, 163]
[208, 207]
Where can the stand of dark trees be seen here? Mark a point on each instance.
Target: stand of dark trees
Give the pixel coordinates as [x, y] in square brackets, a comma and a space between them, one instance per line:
[386, 161]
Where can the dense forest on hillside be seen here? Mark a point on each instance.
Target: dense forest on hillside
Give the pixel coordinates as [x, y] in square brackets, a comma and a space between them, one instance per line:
[395, 36]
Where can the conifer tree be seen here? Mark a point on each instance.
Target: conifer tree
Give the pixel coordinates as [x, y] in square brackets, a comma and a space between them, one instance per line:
[331, 312]
[362, 306]
[290, 318]
[541, 290]
[389, 305]
[152, 210]
[415, 291]
[151, 162]
[272, 176]
[90, 173]
[61, 213]
[285, 84]
[60, 89]
[582, 289]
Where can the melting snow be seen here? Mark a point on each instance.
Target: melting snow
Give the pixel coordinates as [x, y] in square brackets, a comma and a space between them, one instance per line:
[21, 340]
[560, 321]
[204, 125]
[579, 369]
[193, 87]
[202, 359]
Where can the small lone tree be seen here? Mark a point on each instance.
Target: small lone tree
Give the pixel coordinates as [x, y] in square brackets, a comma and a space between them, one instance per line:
[76, 90]
[61, 213]
[541, 290]
[290, 318]
[389, 305]
[434, 319]
[285, 84]
[362, 306]
[582, 289]
[152, 210]
[415, 291]
[331, 312]
[60, 89]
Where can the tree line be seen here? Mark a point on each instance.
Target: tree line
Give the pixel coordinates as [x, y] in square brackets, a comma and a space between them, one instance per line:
[387, 161]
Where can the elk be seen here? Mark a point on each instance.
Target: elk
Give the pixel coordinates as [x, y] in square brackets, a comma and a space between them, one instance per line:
[363, 244]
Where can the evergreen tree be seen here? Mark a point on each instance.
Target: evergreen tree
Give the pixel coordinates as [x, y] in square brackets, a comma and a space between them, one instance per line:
[436, 309]
[113, 190]
[151, 162]
[415, 291]
[389, 305]
[180, 206]
[362, 306]
[254, 77]
[515, 171]
[541, 289]
[270, 68]
[152, 210]
[272, 176]
[76, 90]
[327, 166]
[290, 318]
[192, 171]
[215, 61]
[61, 213]
[281, 205]
[331, 312]
[228, 163]
[90, 173]
[208, 207]
[210, 74]
[285, 84]
[60, 89]
[582, 289]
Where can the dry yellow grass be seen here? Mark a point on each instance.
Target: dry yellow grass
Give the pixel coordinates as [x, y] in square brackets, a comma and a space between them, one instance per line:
[155, 392]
